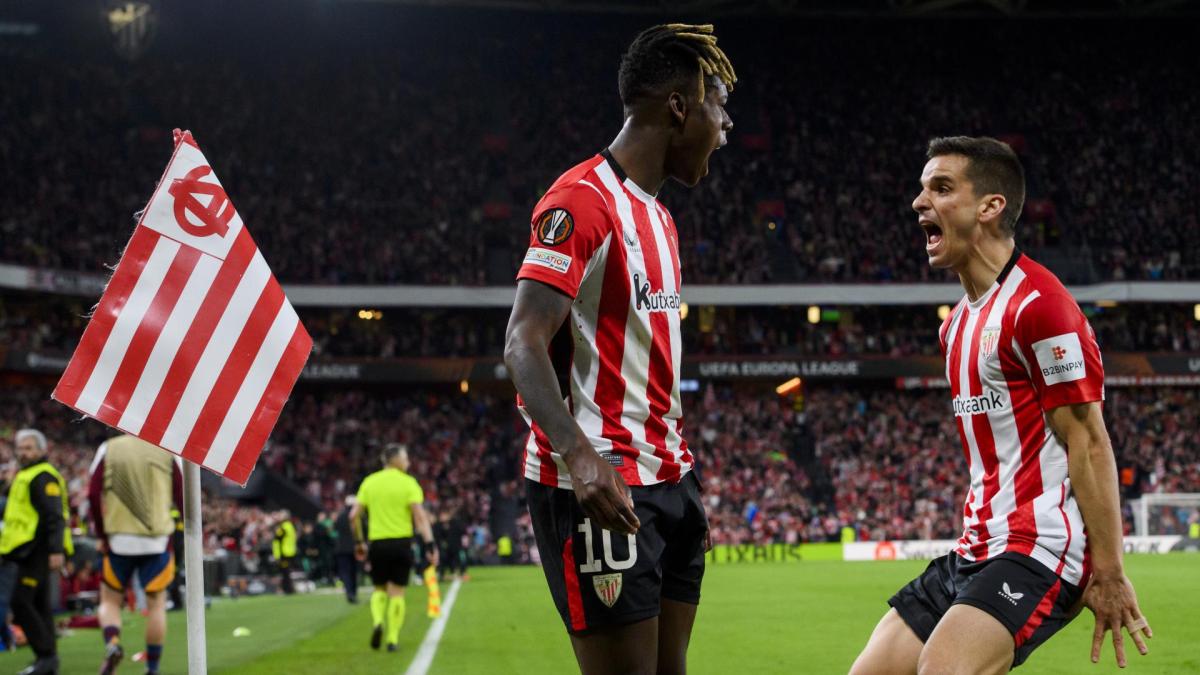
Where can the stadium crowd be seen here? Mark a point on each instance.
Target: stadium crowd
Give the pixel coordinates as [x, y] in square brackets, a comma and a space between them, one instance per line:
[53, 326]
[417, 182]
[884, 462]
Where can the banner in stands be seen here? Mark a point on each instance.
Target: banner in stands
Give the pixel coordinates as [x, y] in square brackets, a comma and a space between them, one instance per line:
[929, 549]
[766, 553]
[865, 367]
[906, 373]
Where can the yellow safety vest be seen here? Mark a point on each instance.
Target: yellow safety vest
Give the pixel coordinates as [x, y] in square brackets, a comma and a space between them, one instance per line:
[284, 545]
[21, 519]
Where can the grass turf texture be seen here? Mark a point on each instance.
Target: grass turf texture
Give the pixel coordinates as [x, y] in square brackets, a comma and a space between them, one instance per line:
[810, 616]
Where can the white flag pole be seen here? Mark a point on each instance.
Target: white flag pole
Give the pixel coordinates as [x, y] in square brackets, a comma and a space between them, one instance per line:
[193, 554]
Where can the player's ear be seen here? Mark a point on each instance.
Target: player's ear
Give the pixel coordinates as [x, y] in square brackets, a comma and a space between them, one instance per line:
[677, 105]
[991, 208]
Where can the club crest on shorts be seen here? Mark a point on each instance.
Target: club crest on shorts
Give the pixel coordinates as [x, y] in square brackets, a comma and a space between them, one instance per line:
[988, 340]
[608, 587]
[554, 227]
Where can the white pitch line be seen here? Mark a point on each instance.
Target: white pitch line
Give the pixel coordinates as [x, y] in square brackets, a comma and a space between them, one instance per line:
[424, 658]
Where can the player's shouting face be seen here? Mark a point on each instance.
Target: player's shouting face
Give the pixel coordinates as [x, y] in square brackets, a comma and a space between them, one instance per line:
[949, 211]
[701, 130]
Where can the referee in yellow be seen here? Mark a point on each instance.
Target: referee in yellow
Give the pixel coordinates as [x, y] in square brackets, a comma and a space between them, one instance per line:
[391, 500]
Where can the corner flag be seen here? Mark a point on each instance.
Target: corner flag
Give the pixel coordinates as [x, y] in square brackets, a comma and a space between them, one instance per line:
[193, 346]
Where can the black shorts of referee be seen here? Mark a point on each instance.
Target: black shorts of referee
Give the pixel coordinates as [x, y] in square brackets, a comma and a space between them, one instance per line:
[391, 561]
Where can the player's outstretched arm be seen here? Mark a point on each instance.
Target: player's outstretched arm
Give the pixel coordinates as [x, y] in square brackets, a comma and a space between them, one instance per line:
[538, 312]
[1093, 473]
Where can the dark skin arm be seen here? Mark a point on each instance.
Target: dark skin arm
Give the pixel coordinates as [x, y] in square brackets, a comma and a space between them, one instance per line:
[538, 312]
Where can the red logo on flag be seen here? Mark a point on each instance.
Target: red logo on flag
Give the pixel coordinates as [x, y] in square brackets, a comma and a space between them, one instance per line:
[1059, 353]
[214, 218]
[192, 352]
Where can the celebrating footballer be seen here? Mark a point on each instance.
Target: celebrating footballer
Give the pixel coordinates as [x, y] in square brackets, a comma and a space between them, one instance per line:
[1042, 521]
[593, 348]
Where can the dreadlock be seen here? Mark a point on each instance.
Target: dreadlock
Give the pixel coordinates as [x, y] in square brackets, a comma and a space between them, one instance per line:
[669, 53]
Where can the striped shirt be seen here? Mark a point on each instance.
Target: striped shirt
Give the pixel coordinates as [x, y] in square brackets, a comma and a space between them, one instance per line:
[613, 248]
[1020, 350]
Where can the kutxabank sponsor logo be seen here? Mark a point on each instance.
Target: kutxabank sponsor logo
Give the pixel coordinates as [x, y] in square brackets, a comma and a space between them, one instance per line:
[988, 401]
[656, 301]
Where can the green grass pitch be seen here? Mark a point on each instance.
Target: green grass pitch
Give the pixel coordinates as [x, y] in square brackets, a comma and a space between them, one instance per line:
[791, 617]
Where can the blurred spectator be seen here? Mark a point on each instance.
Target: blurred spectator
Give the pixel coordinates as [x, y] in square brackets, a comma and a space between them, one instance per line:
[53, 325]
[401, 152]
[885, 462]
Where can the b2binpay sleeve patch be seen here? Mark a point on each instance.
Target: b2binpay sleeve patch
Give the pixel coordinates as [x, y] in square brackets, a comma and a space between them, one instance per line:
[1060, 358]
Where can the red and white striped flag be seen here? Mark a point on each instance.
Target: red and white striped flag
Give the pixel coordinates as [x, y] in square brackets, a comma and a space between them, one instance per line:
[193, 346]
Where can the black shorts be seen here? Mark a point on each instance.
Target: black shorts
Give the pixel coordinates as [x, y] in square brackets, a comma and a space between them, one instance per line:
[598, 578]
[1031, 601]
[391, 561]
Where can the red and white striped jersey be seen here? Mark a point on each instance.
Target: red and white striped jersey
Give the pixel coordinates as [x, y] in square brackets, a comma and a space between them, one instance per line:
[605, 242]
[1020, 350]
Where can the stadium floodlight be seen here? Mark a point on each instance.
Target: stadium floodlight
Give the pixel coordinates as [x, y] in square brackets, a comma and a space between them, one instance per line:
[683, 311]
[943, 312]
[1196, 312]
[814, 314]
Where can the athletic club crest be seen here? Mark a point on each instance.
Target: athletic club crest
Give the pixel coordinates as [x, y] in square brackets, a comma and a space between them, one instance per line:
[988, 340]
[608, 587]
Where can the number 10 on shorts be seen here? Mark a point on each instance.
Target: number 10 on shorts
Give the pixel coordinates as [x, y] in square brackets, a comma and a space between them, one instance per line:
[591, 565]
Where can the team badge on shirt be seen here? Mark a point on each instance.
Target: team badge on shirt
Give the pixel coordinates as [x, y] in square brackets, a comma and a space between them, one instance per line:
[988, 340]
[608, 587]
[554, 227]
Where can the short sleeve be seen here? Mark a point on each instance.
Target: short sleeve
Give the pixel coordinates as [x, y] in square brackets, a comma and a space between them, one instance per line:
[362, 496]
[569, 225]
[1060, 347]
[418, 495]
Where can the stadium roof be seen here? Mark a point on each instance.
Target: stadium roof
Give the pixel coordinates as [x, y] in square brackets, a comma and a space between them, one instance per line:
[876, 8]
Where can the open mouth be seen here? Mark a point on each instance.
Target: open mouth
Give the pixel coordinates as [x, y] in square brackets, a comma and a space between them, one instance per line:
[933, 234]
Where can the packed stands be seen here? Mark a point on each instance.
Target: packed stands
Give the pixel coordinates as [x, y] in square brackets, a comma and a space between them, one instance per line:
[400, 157]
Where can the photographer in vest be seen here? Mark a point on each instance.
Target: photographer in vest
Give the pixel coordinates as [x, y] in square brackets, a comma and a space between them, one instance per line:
[133, 488]
[36, 541]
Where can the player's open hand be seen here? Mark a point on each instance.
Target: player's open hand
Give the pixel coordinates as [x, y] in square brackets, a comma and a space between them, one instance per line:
[601, 491]
[360, 552]
[1115, 605]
